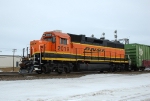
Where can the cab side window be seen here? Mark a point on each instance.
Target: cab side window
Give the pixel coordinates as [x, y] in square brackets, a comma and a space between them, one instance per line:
[63, 41]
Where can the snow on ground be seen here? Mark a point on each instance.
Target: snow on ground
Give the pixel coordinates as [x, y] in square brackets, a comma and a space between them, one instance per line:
[96, 87]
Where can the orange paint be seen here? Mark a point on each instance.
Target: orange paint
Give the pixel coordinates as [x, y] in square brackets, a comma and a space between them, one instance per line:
[46, 44]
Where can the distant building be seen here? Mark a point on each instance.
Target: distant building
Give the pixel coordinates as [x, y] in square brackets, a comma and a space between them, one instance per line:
[7, 61]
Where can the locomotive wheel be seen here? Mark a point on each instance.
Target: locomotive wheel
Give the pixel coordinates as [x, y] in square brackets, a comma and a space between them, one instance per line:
[118, 68]
[59, 72]
[112, 68]
[59, 69]
[45, 70]
[123, 68]
[67, 70]
[39, 72]
[101, 71]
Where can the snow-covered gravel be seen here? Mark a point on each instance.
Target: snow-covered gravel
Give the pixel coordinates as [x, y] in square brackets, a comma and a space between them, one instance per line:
[96, 87]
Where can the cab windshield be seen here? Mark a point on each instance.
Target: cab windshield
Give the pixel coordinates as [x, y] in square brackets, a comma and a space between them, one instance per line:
[48, 39]
[51, 39]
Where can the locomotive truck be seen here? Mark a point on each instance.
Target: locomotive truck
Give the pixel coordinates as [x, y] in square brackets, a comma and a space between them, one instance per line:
[64, 52]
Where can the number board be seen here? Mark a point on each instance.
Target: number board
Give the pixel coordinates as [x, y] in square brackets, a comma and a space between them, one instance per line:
[63, 48]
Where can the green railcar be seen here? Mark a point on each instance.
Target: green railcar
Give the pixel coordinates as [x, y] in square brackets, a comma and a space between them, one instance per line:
[138, 53]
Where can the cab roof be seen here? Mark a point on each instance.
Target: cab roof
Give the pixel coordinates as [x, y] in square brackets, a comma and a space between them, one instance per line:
[57, 33]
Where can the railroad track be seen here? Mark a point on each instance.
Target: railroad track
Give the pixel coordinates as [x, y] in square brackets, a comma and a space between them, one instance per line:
[50, 74]
[25, 76]
[72, 73]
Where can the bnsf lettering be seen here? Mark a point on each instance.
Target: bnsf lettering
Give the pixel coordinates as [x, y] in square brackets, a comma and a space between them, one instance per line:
[94, 49]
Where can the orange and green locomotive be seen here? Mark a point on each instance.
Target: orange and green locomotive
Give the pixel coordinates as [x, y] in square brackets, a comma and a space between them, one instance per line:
[65, 52]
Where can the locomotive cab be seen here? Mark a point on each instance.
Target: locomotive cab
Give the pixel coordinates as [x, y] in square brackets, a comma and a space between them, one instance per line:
[58, 41]
[51, 42]
[49, 48]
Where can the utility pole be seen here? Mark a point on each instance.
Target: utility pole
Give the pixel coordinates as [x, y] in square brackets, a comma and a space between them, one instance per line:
[14, 50]
[27, 52]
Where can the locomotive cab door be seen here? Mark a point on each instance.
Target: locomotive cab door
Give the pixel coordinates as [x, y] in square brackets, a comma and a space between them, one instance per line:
[53, 43]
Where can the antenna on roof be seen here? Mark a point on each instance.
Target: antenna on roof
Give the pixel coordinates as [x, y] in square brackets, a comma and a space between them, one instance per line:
[115, 35]
[92, 35]
[103, 36]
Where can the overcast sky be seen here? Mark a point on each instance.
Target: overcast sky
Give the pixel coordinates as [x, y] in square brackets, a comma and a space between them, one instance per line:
[24, 20]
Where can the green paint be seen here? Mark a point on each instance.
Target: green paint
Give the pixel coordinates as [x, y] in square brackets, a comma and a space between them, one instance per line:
[138, 53]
